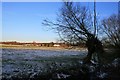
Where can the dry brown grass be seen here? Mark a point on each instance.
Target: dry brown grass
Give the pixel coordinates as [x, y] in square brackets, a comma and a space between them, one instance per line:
[38, 47]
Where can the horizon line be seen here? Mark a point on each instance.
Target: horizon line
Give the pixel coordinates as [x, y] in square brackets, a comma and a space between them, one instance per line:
[30, 41]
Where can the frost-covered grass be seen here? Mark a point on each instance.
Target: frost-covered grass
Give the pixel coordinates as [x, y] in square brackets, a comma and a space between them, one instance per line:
[23, 64]
[30, 62]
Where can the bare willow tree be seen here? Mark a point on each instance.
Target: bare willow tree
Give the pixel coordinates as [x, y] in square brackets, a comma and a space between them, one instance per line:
[111, 26]
[75, 23]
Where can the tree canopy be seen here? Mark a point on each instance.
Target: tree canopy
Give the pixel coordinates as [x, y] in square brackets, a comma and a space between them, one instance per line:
[111, 27]
[76, 23]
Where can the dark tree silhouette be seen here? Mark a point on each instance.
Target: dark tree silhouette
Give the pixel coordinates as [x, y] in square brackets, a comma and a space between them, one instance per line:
[111, 26]
[74, 24]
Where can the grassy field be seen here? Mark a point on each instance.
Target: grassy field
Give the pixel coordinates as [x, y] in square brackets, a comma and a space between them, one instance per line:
[51, 64]
[21, 62]
[37, 47]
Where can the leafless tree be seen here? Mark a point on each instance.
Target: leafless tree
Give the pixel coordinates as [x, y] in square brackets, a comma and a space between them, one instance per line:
[111, 26]
[74, 24]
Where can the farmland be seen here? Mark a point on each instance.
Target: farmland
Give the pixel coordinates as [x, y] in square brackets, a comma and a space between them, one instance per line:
[21, 62]
[56, 64]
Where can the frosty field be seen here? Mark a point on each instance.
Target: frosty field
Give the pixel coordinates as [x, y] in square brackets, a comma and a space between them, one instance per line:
[26, 62]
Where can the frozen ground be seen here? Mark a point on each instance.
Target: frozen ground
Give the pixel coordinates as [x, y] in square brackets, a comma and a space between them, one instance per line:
[30, 62]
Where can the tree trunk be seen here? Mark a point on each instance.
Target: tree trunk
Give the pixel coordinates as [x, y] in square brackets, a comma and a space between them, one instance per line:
[93, 45]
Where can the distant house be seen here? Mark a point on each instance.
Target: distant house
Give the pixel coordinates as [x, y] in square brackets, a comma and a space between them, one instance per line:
[56, 45]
